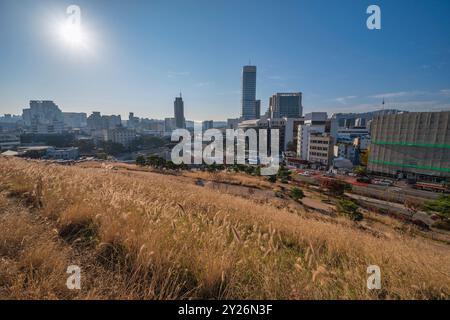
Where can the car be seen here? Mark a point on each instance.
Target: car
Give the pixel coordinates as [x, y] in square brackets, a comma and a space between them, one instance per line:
[363, 179]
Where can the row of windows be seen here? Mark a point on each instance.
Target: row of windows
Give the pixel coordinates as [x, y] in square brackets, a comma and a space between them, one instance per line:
[320, 141]
[319, 154]
[319, 148]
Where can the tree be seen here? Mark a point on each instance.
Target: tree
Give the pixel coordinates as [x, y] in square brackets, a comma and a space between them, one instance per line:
[349, 209]
[364, 157]
[335, 187]
[140, 160]
[297, 194]
[440, 206]
[360, 170]
[156, 161]
[284, 174]
[272, 179]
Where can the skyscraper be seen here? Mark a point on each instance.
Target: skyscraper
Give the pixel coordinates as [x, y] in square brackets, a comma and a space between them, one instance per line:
[258, 109]
[179, 113]
[288, 105]
[248, 92]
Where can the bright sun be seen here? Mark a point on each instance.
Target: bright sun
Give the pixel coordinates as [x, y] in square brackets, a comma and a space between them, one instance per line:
[73, 35]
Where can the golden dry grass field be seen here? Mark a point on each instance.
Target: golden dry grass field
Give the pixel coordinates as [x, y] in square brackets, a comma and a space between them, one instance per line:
[144, 235]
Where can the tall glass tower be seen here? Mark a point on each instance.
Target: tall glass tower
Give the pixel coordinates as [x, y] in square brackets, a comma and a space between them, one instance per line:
[179, 112]
[248, 92]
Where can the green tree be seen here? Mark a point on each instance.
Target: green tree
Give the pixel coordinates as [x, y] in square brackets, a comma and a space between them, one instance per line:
[156, 161]
[297, 194]
[349, 209]
[140, 160]
[360, 170]
[440, 206]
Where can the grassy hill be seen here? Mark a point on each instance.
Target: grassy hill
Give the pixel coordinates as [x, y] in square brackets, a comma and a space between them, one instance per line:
[146, 235]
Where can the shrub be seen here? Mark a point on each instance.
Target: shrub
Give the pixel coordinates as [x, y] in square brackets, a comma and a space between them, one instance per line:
[349, 209]
[297, 194]
[335, 187]
[442, 224]
[440, 206]
[140, 160]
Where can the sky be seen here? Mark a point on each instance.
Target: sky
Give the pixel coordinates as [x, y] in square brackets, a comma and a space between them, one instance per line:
[140, 54]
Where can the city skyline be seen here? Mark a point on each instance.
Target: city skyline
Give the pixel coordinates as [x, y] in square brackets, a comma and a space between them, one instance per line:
[139, 61]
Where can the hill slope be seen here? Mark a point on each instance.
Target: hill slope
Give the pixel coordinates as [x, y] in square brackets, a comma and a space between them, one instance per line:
[154, 236]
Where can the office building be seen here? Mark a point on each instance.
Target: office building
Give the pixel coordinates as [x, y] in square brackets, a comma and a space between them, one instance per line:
[232, 123]
[412, 145]
[314, 122]
[169, 125]
[178, 105]
[74, 120]
[123, 136]
[320, 149]
[207, 124]
[248, 97]
[96, 121]
[43, 117]
[286, 105]
[257, 109]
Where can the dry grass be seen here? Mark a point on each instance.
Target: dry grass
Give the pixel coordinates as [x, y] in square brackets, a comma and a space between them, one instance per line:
[156, 237]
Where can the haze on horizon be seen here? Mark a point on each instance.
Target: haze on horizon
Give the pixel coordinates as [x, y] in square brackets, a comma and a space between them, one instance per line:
[141, 54]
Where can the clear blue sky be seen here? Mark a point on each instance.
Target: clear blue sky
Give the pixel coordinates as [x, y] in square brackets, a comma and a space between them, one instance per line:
[143, 53]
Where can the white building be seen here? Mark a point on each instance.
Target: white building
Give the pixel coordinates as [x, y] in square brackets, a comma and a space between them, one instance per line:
[123, 136]
[320, 149]
[43, 117]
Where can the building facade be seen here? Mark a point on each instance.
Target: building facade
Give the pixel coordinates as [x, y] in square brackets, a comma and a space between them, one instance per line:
[248, 97]
[207, 124]
[320, 149]
[286, 105]
[43, 117]
[9, 141]
[178, 106]
[414, 145]
[123, 136]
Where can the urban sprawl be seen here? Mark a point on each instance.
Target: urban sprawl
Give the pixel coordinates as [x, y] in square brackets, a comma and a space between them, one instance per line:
[388, 144]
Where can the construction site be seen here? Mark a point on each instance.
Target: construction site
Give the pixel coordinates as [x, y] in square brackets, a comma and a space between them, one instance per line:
[411, 145]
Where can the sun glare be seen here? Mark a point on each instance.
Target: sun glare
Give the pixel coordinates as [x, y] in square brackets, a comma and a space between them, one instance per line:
[73, 35]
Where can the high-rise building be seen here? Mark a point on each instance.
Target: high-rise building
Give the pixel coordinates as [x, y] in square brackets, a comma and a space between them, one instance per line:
[180, 121]
[248, 97]
[98, 122]
[286, 105]
[133, 121]
[415, 145]
[258, 109]
[74, 120]
[43, 117]
[169, 124]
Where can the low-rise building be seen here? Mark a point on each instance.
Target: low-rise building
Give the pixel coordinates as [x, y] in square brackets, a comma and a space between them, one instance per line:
[63, 153]
[320, 149]
[123, 136]
[9, 141]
